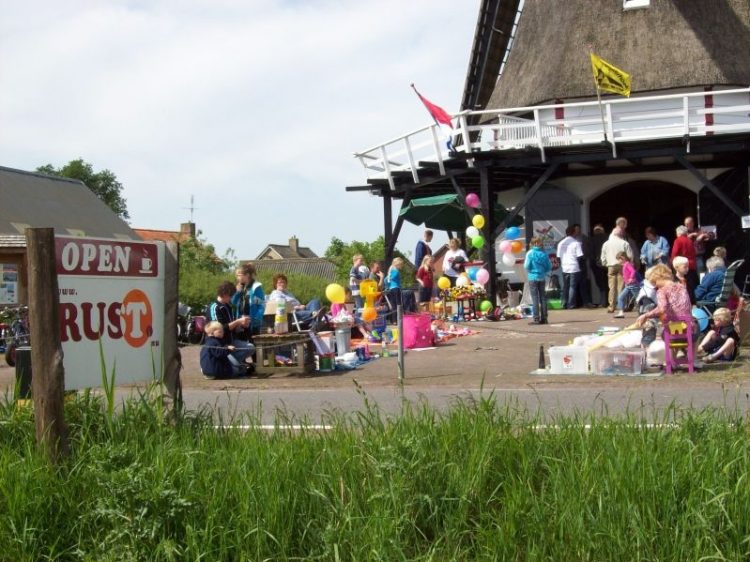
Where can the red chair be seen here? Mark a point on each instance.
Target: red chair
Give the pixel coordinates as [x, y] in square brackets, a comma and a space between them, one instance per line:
[678, 336]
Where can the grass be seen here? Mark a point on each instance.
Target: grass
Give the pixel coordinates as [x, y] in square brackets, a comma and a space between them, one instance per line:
[479, 482]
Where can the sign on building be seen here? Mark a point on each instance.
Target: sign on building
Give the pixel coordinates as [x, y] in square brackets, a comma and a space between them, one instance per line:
[8, 283]
[111, 291]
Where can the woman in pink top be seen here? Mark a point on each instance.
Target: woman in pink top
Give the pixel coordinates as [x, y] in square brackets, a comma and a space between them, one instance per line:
[672, 299]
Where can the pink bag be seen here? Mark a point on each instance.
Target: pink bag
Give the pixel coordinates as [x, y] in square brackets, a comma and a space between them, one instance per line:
[418, 331]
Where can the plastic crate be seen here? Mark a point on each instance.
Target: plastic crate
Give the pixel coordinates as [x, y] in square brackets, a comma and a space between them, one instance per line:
[568, 360]
[617, 361]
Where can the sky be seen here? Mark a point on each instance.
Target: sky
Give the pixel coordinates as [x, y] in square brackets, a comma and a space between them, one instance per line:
[254, 108]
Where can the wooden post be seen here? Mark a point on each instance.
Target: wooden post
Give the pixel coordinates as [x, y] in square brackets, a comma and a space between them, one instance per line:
[172, 360]
[390, 244]
[48, 375]
[488, 204]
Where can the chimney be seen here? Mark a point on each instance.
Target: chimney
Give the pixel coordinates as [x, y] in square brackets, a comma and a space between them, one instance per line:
[294, 244]
[187, 229]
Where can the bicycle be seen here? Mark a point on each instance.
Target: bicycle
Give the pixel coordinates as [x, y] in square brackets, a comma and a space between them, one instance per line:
[14, 323]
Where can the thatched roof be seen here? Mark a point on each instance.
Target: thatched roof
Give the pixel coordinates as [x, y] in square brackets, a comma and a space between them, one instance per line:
[670, 44]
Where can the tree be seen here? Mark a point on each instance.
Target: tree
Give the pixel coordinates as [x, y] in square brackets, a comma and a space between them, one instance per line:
[104, 184]
[341, 254]
[201, 271]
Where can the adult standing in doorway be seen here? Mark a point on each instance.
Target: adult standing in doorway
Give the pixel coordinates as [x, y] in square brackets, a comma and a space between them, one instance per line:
[622, 223]
[570, 252]
[655, 249]
[615, 244]
[699, 240]
[423, 248]
[684, 246]
[584, 287]
[598, 239]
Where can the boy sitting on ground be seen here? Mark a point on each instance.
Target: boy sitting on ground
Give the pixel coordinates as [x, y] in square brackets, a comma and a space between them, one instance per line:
[221, 311]
[722, 342]
[215, 363]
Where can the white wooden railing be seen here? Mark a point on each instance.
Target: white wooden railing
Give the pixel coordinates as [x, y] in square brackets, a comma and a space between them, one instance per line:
[624, 120]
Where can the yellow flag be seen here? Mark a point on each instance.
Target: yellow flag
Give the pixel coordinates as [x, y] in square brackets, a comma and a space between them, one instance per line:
[610, 78]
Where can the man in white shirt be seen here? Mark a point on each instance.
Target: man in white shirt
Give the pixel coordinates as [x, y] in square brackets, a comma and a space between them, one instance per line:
[569, 250]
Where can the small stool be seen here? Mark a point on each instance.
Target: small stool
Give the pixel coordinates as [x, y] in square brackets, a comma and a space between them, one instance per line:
[678, 335]
[266, 346]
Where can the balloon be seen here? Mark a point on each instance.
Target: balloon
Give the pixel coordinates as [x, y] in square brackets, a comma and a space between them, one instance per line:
[472, 200]
[473, 273]
[462, 281]
[701, 316]
[486, 306]
[512, 233]
[369, 313]
[516, 246]
[478, 221]
[444, 283]
[505, 246]
[471, 232]
[477, 242]
[335, 293]
[483, 276]
[509, 259]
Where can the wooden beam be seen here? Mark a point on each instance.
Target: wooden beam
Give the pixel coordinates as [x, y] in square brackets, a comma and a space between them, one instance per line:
[731, 205]
[48, 374]
[387, 227]
[526, 198]
[489, 225]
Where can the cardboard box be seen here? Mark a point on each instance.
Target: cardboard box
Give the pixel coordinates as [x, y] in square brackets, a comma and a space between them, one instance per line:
[568, 360]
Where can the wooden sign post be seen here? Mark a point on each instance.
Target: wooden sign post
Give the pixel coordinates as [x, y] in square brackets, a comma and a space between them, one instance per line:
[48, 375]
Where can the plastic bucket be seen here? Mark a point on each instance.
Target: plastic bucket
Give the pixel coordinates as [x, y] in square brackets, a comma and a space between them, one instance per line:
[326, 362]
[343, 338]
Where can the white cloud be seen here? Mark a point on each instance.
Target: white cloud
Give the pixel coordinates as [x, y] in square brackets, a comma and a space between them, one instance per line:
[253, 107]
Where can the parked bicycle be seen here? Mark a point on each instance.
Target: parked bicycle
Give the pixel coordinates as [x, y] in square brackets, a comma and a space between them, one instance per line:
[189, 327]
[14, 324]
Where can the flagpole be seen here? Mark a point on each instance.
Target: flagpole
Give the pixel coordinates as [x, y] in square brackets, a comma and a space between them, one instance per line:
[598, 96]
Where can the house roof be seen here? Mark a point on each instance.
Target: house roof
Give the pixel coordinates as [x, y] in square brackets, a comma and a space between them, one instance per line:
[161, 235]
[314, 267]
[286, 252]
[670, 44]
[31, 200]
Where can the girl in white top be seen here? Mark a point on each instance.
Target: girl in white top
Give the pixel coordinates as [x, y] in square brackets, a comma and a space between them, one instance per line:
[454, 251]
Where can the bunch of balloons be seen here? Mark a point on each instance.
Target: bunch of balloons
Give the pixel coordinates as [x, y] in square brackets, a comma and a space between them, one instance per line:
[511, 246]
[472, 232]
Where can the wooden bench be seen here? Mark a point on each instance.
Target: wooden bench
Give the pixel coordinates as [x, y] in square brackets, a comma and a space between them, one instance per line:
[267, 346]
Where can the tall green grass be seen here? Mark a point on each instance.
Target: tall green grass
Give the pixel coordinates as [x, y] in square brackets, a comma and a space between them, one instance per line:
[479, 482]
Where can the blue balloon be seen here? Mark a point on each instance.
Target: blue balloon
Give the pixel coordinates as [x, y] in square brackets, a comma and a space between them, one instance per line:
[472, 271]
[702, 317]
[512, 233]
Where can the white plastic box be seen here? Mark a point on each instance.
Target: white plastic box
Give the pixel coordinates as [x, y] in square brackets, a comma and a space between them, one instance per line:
[568, 360]
[617, 361]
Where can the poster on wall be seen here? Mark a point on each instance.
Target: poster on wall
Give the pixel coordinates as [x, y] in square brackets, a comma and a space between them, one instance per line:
[551, 232]
[111, 302]
[8, 283]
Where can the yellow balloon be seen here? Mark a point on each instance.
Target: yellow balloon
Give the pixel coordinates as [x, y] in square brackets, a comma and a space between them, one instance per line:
[444, 283]
[478, 221]
[369, 313]
[335, 293]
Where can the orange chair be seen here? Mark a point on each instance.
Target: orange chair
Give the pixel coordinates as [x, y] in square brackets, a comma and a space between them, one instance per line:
[678, 336]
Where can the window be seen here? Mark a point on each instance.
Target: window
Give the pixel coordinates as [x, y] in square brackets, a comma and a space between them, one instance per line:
[635, 4]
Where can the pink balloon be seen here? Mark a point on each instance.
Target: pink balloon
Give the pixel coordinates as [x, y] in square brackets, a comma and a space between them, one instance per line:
[472, 200]
[505, 246]
[483, 276]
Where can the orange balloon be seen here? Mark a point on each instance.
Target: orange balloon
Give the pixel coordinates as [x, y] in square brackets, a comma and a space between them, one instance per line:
[516, 246]
[369, 313]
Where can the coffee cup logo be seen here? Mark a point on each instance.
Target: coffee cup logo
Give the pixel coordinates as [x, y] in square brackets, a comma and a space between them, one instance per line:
[146, 265]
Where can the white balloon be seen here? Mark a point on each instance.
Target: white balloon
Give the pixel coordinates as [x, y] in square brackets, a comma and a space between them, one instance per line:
[472, 231]
[462, 281]
[509, 259]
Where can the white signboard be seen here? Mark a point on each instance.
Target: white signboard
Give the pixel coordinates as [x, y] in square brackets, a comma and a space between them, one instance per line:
[8, 283]
[111, 291]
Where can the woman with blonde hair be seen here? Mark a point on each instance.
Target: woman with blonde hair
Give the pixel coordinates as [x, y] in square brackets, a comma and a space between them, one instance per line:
[425, 280]
[672, 298]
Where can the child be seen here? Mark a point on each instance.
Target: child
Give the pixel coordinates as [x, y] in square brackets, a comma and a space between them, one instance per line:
[356, 277]
[221, 312]
[215, 362]
[646, 301]
[425, 279]
[249, 300]
[631, 282]
[393, 282]
[338, 307]
[722, 342]
[537, 265]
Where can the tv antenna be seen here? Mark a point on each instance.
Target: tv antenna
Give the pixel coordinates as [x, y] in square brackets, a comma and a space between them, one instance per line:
[192, 207]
